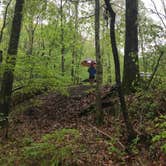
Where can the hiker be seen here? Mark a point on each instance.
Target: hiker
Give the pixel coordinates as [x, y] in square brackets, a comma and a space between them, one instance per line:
[92, 73]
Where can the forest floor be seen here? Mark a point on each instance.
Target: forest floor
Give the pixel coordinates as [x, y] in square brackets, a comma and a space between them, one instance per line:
[95, 145]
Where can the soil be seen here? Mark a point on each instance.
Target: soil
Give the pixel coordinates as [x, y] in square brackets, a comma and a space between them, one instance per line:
[55, 111]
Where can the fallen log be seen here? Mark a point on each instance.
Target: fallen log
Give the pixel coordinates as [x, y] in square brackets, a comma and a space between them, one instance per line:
[106, 102]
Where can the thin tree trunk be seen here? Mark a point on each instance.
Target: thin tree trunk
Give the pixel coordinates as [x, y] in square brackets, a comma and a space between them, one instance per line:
[74, 71]
[4, 20]
[155, 69]
[31, 32]
[3, 27]
[62, 41]
[109, 69]
[1, 56]
[128, 124]
[99, 112]
[1, 59]
[8, 76]
[142, 51]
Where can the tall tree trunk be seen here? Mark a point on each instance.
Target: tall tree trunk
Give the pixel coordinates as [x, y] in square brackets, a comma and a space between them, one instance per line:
[142, 50]
[1, 59]
[99, 112]
[109, 69]
[3, 27]
[155, 69]
[31, 31]
[1, 56]
[62, 40]
[4, 20]
[8, 76]
[74, 71]
[128, 124]
[131, 67]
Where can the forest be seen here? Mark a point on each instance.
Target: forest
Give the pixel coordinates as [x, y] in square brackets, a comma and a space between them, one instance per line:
[82, 82]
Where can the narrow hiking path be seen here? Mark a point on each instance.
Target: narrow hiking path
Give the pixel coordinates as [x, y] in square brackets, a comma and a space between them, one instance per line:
[57, 111]
[97, 145]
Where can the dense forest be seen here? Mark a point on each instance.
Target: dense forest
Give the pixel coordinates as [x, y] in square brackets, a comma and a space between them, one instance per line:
[82, 82]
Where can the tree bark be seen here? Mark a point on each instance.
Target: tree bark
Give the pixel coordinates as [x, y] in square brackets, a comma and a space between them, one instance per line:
[144, 61]
[4, 20]
[99, 112]
[131, 67]
[62, 41]
[155, 69]
[128, 124]
[3, 27]
[8, 76]
[31, 32]
[1, 56]
[74, 71]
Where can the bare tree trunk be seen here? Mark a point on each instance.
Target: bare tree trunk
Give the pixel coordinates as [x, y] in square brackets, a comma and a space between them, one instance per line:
[99, 112]
[3, 27]
[109, 69]
[128, 124]
[142, 50]
[155, 69]
[31, 31]
[62, 41]
[1, 56]
[8, 76]
[131, 67]
[74, 71]
[4, 20]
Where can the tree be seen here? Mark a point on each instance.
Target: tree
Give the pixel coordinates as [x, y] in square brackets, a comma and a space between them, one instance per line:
[131, 68]
[8, 76]
[75, 40]
[99, 112]
[131, 133]
[155, 68]
[33, 11]
[62, 39]
[1, 54]
[162, 16]
[3, 27]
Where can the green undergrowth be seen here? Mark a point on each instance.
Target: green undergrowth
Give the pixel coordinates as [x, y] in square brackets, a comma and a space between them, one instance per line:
[41, 86]
[18, 109]
[148, 116]
[147, 111]
[159, 138]
[149, 105]
[56, 148]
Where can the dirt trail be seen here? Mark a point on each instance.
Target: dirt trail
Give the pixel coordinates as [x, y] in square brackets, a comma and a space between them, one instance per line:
[54, 111]
[57, 111]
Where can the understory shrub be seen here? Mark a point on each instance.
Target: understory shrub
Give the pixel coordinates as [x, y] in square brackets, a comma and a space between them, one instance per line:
[56, 148]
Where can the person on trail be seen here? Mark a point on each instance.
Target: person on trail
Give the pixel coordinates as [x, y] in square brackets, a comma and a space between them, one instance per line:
[92, 73]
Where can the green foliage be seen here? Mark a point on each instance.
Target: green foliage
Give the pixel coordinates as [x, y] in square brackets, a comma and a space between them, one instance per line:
[144, 106]
[115, 151]
[53, 149]
[159, 139]
[133, 145]
[35, 74]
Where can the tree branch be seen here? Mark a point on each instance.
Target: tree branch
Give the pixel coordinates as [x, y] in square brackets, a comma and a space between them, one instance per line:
[158, 14]
[4, 20]
[155, 69]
